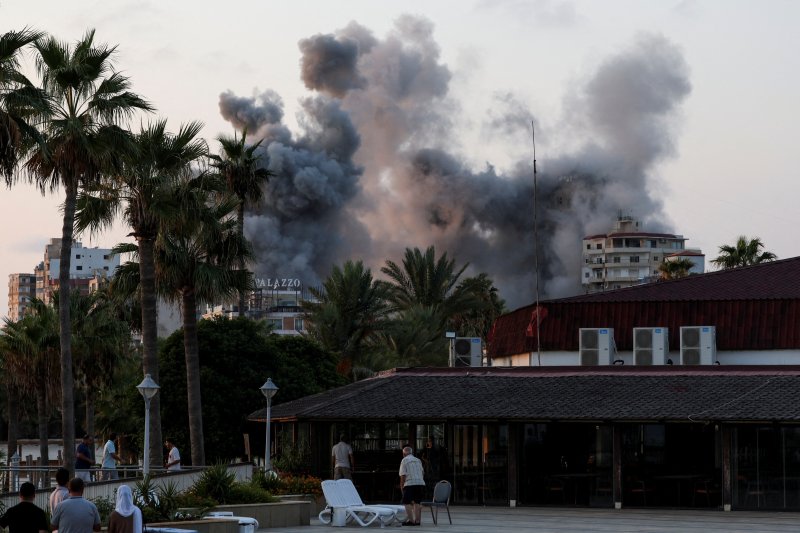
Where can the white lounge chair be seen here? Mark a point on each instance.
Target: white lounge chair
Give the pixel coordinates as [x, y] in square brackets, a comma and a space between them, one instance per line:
[363, 515]
[354, 498]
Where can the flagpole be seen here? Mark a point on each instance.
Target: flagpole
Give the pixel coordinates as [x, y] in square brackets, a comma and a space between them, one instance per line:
[536, 249]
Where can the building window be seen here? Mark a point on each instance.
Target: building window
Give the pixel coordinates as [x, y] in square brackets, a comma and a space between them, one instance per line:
[588, 246]
[599, 246]
[79, 267]
[634, 259]
[298, 324]
[105, 268]
[77, 256]
[617, 260]
[655, 258]
[655, 271]
[653, 244]
[106, 257]
[586, 275]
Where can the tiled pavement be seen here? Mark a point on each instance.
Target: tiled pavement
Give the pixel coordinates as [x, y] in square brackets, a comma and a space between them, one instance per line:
[560, 520]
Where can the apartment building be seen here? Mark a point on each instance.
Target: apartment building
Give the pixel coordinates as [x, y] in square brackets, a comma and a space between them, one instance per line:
[87, 266]
[629, 256]
[21, 289]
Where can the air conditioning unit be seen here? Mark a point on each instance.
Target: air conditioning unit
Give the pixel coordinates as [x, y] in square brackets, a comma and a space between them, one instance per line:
[698, 345]
[650, 346]
[467, 351]
[596, 346]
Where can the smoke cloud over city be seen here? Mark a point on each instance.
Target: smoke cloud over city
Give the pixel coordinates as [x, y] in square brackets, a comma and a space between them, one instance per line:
[376, 167]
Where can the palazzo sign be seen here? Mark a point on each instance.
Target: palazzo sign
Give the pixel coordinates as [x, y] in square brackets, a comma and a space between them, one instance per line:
[278, 283]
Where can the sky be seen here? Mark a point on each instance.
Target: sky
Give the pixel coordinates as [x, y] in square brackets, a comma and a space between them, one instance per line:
[396, 126]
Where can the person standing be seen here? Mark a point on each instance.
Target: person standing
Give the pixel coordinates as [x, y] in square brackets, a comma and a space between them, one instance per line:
[25, 517]
[126, 517]
[412, 482]
[110, 458]
[342, 459]
[173, 463]
[83, 458]
[61, 492]
[76, 514]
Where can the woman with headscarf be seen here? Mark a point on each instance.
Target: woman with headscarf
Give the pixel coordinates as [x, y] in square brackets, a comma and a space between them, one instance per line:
[126, 517]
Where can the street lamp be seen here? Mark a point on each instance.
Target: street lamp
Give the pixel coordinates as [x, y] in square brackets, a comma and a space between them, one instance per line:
[147, 388]
[268, 389]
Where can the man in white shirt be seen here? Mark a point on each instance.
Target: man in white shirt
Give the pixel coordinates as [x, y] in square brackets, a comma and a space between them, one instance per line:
[110, 458]
[412, 483]
[342, 459]
[173, 463]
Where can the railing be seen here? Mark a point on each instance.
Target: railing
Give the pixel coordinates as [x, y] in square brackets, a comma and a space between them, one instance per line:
[43, 478]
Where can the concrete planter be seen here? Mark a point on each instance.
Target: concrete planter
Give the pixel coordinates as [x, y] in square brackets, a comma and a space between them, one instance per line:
[202, 526]
[269, 515]
[317, 502]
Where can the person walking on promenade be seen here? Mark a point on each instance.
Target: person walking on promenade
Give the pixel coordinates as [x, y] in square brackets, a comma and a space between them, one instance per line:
[110, 458]
[83, 458]
[173, 463]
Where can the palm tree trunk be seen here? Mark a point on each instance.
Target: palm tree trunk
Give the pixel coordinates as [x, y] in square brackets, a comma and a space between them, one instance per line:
[192, 354]
[242, 265]
[89, 413]
[41, 411]
[65, 334]
[13, 422]
[147, 283]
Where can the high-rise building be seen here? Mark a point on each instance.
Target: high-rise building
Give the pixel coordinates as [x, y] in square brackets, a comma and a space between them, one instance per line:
[629, 256]
[21, 289]
[87, 265]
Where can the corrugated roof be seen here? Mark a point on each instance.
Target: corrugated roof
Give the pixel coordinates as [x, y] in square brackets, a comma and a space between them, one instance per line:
[752, 308]
[567, 393]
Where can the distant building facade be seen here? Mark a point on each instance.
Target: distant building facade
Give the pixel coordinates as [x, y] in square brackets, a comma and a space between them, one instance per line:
[628, 256]
[87, 267]
[277, 301]
[21, 289]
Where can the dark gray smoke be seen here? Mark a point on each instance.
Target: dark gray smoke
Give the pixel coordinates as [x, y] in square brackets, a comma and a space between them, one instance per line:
[376, 167]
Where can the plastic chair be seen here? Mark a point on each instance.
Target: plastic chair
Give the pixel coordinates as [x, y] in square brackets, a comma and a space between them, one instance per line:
[441, 498]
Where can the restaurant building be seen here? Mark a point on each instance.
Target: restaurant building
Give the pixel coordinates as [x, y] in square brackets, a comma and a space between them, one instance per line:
[593, 431]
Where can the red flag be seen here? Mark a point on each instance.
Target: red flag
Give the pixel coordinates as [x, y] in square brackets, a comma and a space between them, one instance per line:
[538, 315]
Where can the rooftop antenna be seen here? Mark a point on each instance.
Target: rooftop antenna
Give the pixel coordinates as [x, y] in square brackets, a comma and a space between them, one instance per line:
[536, 250]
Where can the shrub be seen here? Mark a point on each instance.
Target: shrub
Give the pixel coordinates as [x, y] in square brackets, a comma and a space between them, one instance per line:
[215, 483]
[104, 506]
[249, 493]
[301, 485]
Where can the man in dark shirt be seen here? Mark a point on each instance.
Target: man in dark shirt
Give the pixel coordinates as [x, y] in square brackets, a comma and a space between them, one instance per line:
[25, 517]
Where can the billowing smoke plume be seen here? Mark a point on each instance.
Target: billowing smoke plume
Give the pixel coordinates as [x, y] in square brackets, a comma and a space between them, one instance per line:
[376, 168]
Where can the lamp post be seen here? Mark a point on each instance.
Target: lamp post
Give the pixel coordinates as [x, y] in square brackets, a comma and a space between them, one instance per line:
[147, 388]
[268, 389]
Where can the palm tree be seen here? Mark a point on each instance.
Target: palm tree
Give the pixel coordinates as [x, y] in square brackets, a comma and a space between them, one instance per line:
[348, 312]
[744, 252]
[31, 346]
[82, 142]
[197, 259]
[238, 165]
[675, 268]
[144, 190]
[102, 339]
[432, 283]
[18, 100]
[477, 320]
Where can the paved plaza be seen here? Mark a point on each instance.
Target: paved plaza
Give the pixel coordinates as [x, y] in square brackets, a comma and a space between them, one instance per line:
[560, 520]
